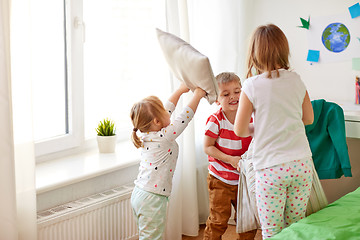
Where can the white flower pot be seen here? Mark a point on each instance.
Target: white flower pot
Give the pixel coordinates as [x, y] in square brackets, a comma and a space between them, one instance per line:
[106, 144]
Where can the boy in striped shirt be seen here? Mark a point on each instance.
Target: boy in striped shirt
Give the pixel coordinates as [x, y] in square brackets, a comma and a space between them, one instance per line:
[224, 149]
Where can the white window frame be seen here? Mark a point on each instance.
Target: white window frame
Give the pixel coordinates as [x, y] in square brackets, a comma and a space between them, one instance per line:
[73, 142]
[75, 36]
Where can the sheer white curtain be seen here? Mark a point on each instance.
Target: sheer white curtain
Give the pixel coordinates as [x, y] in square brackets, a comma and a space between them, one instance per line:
[219, 29]
[182, 212]
[17, 176]
[8, 225]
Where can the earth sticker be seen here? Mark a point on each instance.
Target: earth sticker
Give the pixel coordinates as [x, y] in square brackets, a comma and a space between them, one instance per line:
[336, 37]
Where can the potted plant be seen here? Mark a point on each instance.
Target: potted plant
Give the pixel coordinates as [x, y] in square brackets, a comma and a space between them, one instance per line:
[106, 137]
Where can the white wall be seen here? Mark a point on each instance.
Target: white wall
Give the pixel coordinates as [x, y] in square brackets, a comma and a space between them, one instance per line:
[225, 43]
[331, 81]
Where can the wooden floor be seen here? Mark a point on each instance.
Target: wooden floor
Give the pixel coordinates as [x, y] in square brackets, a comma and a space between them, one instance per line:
[230, 234]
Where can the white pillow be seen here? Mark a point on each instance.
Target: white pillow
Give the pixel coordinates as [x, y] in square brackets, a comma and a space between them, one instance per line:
[188, 64]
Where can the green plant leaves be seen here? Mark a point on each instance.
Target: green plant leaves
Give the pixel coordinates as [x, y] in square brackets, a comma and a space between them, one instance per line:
[106, 127]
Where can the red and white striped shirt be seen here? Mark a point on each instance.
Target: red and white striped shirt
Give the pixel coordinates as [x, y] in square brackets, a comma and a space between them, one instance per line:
[219, 127]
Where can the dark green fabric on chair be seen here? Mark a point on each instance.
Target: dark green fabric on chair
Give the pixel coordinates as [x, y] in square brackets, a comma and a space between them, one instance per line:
[327, 139]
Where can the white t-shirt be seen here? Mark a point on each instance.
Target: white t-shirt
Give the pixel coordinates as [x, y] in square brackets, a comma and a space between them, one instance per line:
[160, 152]
[279, 134]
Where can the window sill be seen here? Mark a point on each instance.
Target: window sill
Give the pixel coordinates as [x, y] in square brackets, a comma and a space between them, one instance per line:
[64, 171]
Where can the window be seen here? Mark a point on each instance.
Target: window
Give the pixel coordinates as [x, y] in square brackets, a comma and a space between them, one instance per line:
[91, 60]
[49, 71]
[121, 59]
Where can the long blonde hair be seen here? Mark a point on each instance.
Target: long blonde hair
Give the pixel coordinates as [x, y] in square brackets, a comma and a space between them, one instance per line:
[268, 51]
[142, 115]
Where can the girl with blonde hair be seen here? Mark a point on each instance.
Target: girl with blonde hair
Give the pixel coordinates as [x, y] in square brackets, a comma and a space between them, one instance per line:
[159, 152]
[281, 106]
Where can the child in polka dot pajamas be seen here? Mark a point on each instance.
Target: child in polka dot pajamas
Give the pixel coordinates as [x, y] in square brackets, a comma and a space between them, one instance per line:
[281, 106]
[159, 152]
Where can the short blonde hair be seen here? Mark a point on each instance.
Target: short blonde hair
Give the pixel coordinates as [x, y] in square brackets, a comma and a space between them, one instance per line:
[142, 114]
[268, 51]
[226, 77]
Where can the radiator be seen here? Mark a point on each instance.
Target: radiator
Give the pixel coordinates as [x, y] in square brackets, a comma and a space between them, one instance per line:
[103, 216]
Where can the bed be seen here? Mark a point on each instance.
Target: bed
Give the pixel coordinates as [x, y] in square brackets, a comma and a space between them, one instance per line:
[338, 220]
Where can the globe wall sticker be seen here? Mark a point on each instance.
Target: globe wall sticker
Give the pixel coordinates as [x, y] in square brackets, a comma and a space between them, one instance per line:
[336, 37]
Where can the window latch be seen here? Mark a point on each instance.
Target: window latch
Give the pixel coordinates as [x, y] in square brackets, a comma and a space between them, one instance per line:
[80, 24]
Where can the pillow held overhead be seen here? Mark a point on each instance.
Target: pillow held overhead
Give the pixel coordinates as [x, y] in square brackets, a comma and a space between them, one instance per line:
[188, 64]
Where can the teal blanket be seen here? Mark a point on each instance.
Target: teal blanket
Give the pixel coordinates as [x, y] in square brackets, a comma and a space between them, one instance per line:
[339, 220]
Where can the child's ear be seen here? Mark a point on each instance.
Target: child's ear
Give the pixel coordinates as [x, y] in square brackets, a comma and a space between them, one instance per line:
[157, 121]
[217, 102]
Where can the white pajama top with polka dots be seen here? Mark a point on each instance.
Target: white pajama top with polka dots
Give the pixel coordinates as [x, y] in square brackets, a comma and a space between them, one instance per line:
[160, 152]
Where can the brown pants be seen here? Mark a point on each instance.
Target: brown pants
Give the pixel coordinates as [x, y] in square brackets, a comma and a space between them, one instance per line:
[221, 197]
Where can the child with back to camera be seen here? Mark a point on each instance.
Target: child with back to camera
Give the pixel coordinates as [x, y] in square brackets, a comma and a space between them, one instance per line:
[159, 152]
[281, 106]
[224, 149]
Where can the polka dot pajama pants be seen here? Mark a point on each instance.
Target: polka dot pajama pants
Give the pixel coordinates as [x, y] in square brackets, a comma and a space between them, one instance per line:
[282, 194]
